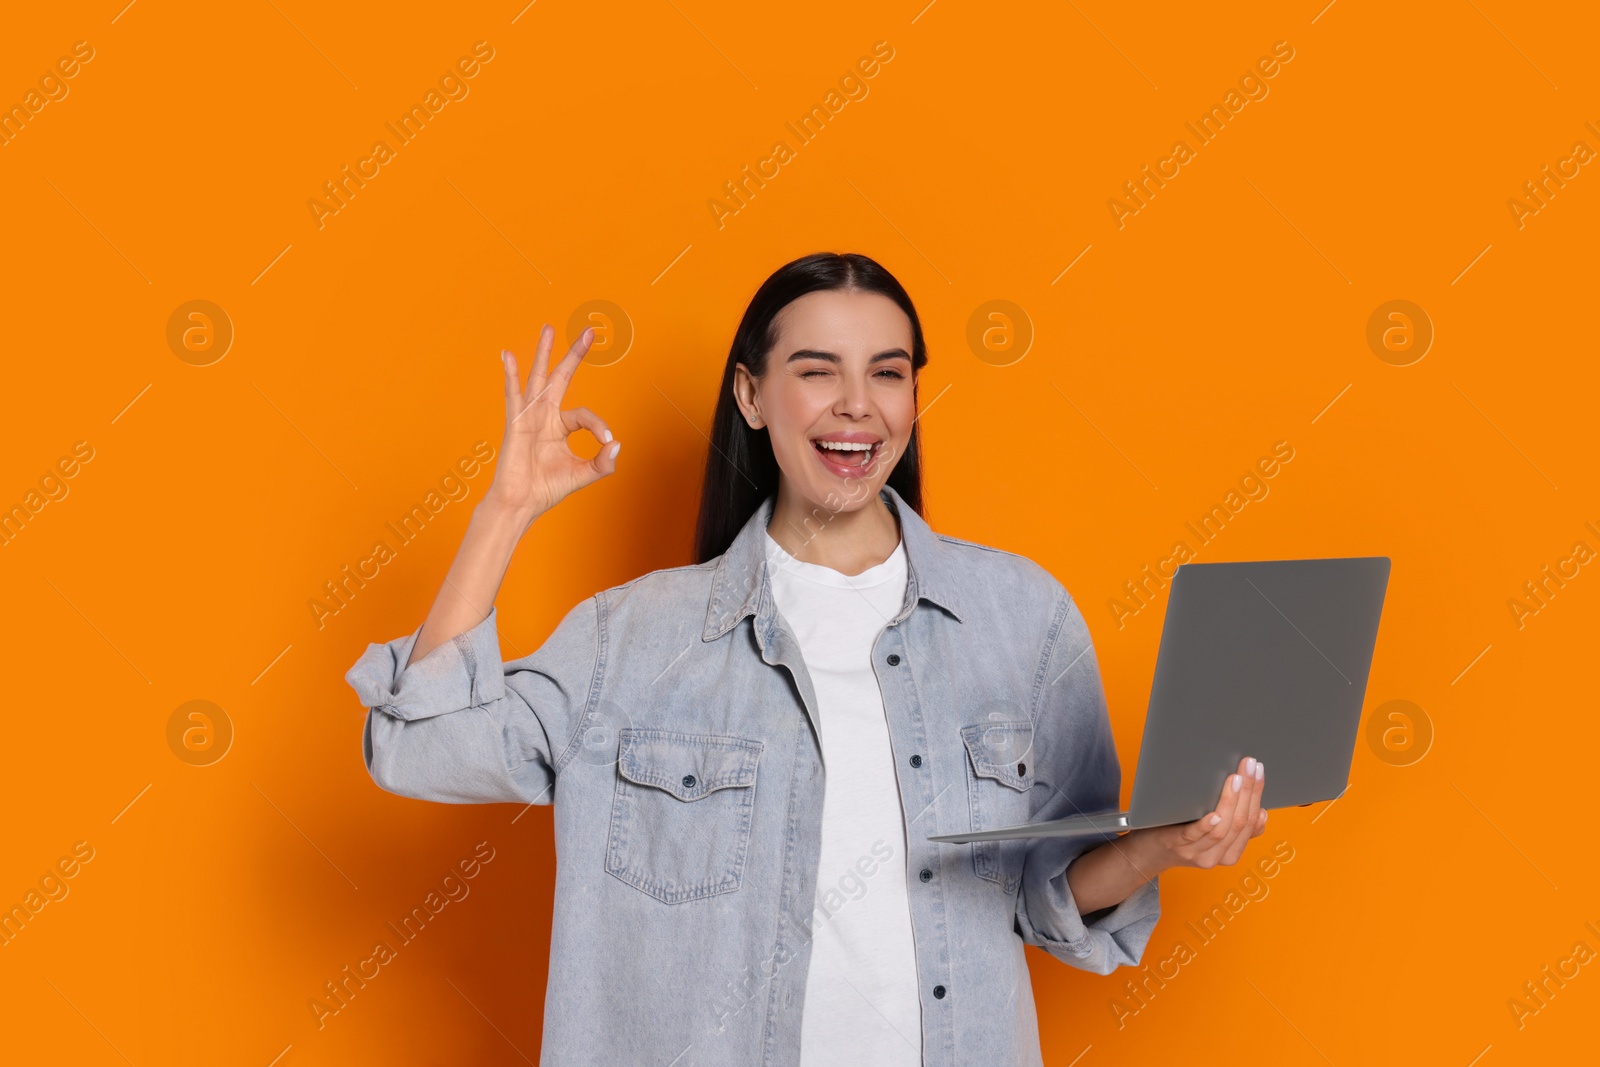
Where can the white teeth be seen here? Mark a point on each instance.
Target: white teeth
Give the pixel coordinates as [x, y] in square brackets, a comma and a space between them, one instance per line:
[846, 446]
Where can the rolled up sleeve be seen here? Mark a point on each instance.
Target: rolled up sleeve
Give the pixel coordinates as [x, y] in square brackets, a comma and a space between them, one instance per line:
[1077, 773]
[460, 726]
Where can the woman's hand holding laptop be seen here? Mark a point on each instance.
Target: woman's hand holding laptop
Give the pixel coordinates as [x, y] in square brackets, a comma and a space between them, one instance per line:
[1107, 873]
[1220, 837]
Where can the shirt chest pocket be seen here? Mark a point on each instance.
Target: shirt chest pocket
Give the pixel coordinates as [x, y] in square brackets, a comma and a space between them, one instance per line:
[999, 780]
[680, 816]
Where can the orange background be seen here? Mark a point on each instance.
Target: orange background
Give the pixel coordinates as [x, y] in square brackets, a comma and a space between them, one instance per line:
[1226, 315]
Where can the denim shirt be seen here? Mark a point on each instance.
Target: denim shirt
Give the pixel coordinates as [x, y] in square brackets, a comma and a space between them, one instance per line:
[672, 724]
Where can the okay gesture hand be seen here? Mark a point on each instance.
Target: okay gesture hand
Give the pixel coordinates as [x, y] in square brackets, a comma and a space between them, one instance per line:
[537, 467]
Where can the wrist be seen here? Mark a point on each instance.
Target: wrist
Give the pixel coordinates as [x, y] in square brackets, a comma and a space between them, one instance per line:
[1148, 850]
[496, 513]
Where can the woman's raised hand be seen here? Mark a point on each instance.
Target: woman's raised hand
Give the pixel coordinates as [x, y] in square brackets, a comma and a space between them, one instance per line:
[535, 471]
[536, 468]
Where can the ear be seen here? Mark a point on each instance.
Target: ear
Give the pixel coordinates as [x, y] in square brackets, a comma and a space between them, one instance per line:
[744, 394]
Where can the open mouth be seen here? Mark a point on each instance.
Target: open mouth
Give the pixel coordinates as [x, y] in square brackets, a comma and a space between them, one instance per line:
[847, 458]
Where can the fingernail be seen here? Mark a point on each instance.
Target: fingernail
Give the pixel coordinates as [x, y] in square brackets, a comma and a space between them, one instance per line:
[1213, 820]
[505, 355]
[1261, 770]
[1250, 765]
[1238, 780]
[615, 449]
[607, 437]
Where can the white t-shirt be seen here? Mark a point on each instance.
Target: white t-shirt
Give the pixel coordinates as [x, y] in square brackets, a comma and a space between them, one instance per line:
[862, 1003]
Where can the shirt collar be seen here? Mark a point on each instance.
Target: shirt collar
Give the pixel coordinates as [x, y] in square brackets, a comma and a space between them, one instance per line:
[740, 585]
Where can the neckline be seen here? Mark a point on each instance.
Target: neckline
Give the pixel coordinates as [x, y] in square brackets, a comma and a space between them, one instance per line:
[889, 570]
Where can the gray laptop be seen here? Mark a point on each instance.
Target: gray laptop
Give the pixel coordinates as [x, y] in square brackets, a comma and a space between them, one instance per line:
[1265, 658]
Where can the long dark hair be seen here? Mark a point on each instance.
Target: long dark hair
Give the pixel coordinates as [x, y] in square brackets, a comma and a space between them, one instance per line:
[741, 470]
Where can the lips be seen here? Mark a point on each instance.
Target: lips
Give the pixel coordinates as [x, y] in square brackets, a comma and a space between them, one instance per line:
[847, 455]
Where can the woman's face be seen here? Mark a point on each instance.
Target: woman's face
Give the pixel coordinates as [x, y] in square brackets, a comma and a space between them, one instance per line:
[838, 396]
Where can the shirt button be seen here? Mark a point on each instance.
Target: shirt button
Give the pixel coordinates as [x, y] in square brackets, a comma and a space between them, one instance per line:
[1022, 769]
[688, 781]
[894, 659]
[938, 992]
[926, 875]
[916, 761]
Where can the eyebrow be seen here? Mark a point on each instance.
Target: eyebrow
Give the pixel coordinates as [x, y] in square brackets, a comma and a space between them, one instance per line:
[830, 357]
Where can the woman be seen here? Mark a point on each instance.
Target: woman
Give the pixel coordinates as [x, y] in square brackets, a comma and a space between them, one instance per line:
[747, 755]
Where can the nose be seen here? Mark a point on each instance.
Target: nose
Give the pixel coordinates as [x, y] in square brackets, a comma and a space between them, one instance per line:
[852, 399]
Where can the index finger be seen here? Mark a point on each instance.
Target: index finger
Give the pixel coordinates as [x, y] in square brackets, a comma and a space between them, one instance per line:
[1258, 808]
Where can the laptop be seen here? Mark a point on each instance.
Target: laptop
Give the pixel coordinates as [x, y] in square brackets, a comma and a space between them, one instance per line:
[1263, 658]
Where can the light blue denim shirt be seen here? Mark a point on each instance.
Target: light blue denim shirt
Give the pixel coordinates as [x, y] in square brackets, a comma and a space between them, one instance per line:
[671, 722]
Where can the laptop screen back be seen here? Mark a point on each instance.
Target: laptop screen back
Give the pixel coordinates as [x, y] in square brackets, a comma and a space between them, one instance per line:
[1264, 658]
